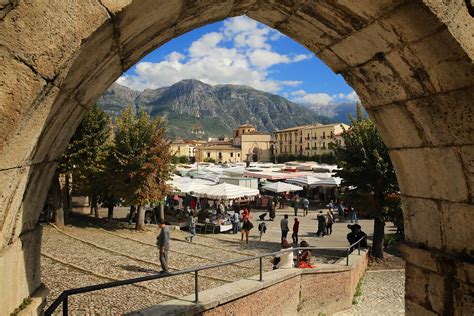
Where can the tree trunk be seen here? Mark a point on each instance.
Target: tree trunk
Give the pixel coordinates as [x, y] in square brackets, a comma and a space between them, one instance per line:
[110, 211]
[140, 224]
[67, 199]
[95, 206]
[162, 211]
[56, 193]
[133, 210]
[91, 203]
[379, 232]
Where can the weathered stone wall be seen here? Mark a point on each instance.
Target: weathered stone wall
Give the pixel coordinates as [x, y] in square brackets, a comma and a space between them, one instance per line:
[327, 289]
[411, 63]
[279, 299]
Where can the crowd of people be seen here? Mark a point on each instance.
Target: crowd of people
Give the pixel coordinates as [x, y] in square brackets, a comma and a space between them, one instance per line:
[241, 220]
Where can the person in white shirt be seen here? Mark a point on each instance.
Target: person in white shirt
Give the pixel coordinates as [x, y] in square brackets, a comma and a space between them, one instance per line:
[285, 260]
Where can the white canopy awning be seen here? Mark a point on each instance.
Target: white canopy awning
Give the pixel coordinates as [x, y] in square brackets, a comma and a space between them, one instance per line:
[225, 191]
[279, 187]
[328, 182]
[187, 185]
[303, 181]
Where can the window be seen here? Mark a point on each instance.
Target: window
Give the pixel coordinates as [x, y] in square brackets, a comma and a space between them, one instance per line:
[324, 145]
[231, 155]
[220, 155]
[324, 135]
[208, 155]
[238, 155]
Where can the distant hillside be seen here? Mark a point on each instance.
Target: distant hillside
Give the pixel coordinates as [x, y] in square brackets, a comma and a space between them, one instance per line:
[221, 108]
[337, 112]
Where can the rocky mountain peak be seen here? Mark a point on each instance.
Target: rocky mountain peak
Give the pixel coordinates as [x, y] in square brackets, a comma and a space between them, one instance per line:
[221, 108]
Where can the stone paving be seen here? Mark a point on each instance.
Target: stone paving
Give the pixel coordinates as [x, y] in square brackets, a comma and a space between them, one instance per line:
[383, 293]
[85, 254]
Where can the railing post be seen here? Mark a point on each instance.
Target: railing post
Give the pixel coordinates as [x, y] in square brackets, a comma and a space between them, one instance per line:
[65, 307]
[196, 287]
[297, 258]
[358, 247]
[261, 269]
[347, 257]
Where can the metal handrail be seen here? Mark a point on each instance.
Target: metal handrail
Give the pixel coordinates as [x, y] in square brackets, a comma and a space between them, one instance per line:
[63, 297]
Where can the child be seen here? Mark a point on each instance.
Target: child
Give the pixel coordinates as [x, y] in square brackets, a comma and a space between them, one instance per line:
[262, 228]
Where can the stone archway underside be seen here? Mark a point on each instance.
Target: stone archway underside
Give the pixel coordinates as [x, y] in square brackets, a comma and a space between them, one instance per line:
[411, 63]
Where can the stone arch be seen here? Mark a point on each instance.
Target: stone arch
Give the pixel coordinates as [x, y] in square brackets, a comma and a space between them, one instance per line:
[409, 61]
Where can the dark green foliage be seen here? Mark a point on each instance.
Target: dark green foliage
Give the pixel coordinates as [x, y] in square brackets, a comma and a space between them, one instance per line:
[209, 159]
[366, 166]
[83, 161]
[88, 148]
[179, 159]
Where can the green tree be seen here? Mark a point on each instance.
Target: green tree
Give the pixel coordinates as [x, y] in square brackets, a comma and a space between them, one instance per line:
[365, 165]
[83, 159]
[140, 161]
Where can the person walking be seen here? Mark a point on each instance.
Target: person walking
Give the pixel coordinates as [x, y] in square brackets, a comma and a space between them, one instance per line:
[235, 220]
[321, 224]
[329, 222]
[163, 243]
[340, 211]
[246, 227]
[296, 227]
[262, 229]
[305, 203]
[294, 204]
[284, 227]
[192, 227]
[280, 201]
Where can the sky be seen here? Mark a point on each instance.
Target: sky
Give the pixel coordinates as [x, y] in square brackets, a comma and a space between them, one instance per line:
[241, 51]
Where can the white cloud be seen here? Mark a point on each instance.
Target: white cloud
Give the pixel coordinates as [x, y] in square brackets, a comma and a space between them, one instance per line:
[353, 97]
[322, 99]
[265, 58]
[301, 57]
[239, 53]
[301, 96]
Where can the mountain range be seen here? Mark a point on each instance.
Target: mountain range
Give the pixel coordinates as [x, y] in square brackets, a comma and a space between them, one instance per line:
[338, 112]
[220, 108]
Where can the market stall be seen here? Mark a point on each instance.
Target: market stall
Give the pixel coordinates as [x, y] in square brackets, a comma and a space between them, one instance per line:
[281, 187]
[215, 200]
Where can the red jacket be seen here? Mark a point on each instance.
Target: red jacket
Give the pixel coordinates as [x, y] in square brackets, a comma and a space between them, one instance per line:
[296, 226]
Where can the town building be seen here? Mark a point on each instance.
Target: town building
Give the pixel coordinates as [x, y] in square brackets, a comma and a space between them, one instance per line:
[247, 144]
[308, 140]
[180, 148]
